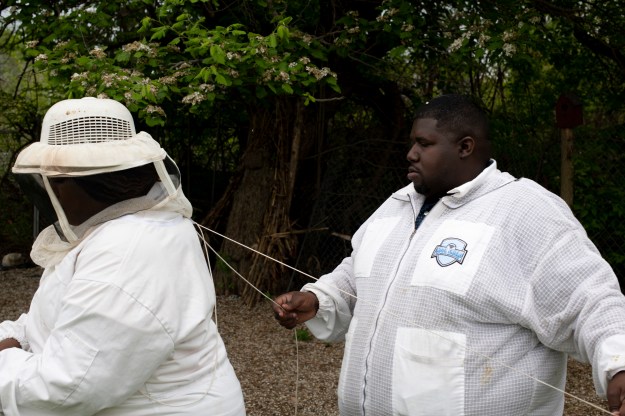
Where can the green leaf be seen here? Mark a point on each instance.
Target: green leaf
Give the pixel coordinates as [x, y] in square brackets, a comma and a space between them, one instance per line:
[218, 54]
[283, 33]
[122, 57]
[318, 54]
[287, 88]
[220, 79]
[271, 39]
[159, 33]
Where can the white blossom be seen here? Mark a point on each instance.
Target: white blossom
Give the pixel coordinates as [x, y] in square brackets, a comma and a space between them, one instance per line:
[509, 49]
[97, 53]
[207, 87]
[507, 36]
[283, 76]
[194, 98]
[61, 44]
[167, 80]
[151, 109]
[78, 77]
[455, 45]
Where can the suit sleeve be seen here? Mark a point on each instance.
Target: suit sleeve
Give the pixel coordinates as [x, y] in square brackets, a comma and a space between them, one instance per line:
[104, 346]
[16, 330]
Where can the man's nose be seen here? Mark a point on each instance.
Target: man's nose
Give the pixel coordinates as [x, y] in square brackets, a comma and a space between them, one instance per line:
[413, 154]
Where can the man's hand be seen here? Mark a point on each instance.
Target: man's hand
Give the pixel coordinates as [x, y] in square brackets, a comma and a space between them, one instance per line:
[9, 343]
[616, 394]
[295, 308]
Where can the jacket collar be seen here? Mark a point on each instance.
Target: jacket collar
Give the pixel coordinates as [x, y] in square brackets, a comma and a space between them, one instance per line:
[487, 181]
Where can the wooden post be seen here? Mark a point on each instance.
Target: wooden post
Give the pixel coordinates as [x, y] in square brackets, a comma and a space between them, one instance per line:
[566, 166]
[568, 116]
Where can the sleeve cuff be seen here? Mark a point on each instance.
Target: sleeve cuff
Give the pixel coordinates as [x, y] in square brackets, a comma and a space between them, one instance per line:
[16, 335]
[610, 360]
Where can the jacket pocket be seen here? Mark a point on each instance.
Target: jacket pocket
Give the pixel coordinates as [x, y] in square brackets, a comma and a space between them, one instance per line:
[452, 256]
[375, 235]
[428, 373]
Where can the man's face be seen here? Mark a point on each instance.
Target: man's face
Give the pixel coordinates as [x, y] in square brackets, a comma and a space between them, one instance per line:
[433, 158]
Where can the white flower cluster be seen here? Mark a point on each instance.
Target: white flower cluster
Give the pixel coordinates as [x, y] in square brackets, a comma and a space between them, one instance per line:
[109, 79]
[207, 87]
[320, 73]
[139, 47]
[386, 14]
[61, 44]
[194, 98]
[509, 49]
[507, 36]
[273, 74]
[97, 53]
[167, 80]
[151, 109]
[79, 77]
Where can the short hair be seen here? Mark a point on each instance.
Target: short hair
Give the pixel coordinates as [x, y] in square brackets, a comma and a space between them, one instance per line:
[460, 115]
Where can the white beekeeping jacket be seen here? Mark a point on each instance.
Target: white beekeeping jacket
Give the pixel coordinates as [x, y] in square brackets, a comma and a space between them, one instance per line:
[122, 326]
[499, 272]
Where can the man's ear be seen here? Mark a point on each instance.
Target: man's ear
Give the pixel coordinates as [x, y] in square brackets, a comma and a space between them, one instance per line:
[466, 146]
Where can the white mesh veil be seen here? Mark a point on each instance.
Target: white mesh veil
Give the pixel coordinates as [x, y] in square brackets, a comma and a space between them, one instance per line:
[85, 138]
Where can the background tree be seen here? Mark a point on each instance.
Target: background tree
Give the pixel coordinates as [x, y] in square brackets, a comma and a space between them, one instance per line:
[288, 119]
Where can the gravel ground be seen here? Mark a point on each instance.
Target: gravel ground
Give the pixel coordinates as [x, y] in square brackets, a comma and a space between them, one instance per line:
[278, 376]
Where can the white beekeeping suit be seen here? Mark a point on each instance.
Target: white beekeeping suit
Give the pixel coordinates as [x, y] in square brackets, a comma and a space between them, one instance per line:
[121, 322]
[499, 274]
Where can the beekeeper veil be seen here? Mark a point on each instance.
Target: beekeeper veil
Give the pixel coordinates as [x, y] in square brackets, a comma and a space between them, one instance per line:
[89, 146]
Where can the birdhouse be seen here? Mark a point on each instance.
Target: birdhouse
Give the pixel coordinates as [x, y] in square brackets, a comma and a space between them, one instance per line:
[568, 112]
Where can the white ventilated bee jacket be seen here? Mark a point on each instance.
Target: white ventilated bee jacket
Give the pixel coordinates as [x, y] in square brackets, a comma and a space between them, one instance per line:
[121, 323]
[499, 274]
[122, 326]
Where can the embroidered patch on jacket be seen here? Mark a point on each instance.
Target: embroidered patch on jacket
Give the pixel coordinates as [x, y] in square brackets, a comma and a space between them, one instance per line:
[450, 251]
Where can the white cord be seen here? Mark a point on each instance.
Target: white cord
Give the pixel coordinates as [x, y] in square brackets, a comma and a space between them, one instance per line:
[401, 318]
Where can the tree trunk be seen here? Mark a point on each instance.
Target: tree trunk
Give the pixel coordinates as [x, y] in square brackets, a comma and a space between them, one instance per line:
[259, 217]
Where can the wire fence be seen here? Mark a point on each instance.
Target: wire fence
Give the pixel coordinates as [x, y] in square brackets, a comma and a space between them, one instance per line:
[354, 186]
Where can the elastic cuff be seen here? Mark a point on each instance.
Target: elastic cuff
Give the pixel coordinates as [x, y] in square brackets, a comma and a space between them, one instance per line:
[612, 373]
[21, 339]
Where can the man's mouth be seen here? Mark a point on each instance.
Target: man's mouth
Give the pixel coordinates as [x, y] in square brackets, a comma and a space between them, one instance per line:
[413, 174]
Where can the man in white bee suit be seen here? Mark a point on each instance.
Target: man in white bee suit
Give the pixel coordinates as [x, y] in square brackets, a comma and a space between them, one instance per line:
[121, 323]
[464, 288]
